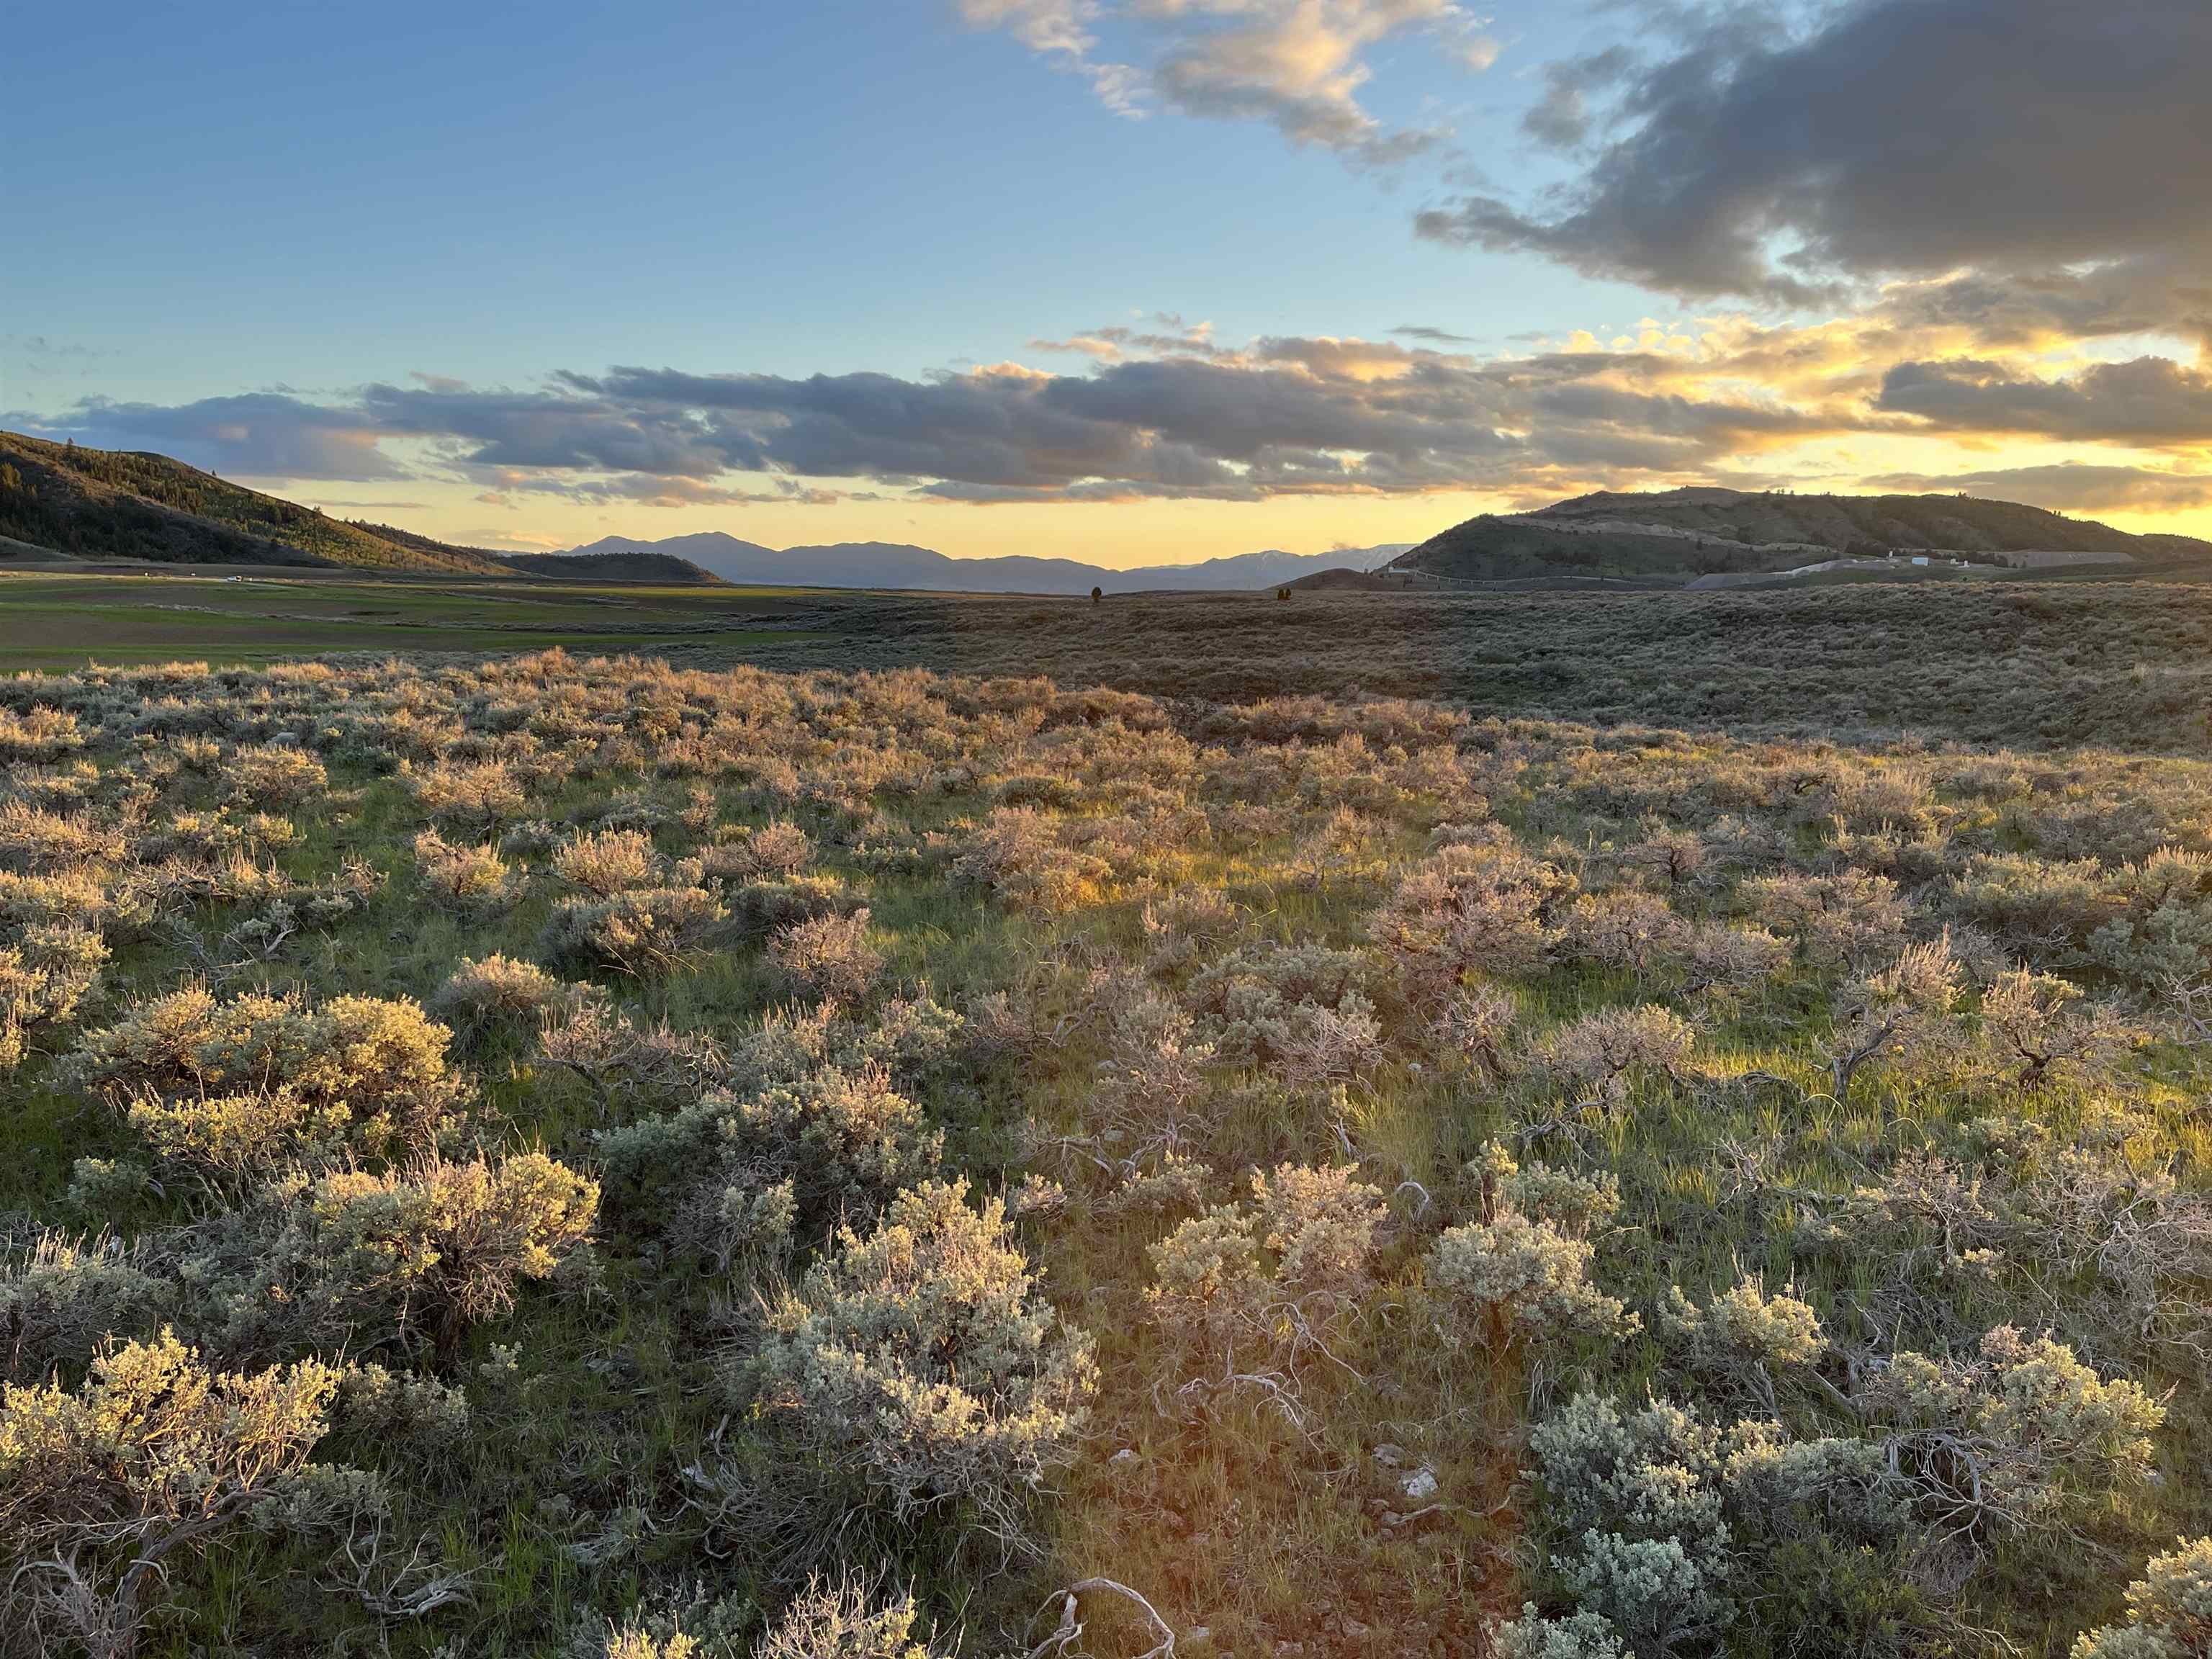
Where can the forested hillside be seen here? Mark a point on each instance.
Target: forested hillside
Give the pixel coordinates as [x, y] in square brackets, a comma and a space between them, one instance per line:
[121, 504]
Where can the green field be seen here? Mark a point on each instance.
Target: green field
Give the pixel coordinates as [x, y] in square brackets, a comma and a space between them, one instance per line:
[53, 621]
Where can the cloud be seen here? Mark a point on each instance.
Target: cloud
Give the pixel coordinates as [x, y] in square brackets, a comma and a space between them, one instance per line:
[2149, 401]
[1168, 413]
[1169, 335]
[261, 435]
[2055, 150]
[1059, 31]
[44, 352]
[2069, 486]
[1430, 336]
[1157, 408]
[1296, 65]
[1477, 51]
[649, 490]
[1561, 117]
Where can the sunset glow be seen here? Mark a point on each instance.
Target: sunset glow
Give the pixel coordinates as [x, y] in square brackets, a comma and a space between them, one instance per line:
[1298, 276]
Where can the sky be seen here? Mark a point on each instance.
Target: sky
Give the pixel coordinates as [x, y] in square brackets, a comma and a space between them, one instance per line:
[1127, 281]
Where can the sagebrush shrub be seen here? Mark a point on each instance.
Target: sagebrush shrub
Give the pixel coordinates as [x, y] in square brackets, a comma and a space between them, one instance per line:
[39, 733]
[1484, 909]
[404, 1258]
[106, 1488]
[842, 1620]
[1247, 1296]
[2169, 1610]
[645, 933]
[1846, 919]
[624, 1059]
[1017, 856]
[1744, 1336]
[502, 995]
[471, 881]
[43, 979]
[474, 796]
[777, 849]
[1526, 1278]
[1603, 1054]
[829, 957]
[229, 1087]
[916, 1363]
[771, 904]
[2037, 1028]
[2047, 1441]
[272, 776]
[1627, 931]
[63, 1299]
[34, 842]
[608, 862]
[715, 1177]
[1897, 1015]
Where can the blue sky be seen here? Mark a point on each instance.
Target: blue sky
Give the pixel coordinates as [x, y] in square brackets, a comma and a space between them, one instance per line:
[297, 206]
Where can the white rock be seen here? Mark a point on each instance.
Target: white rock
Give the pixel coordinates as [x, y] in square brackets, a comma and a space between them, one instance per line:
[1420, 1485]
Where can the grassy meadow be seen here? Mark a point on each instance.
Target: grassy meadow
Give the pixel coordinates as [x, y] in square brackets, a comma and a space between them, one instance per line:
[1560, 1126]
[2124, 665]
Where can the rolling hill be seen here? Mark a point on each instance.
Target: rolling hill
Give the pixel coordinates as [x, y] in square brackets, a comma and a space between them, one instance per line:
[1684, 533]
[126, 504]
[898, 565]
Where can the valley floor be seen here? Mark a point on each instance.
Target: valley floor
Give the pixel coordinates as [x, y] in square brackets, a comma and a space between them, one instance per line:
[555, 1153]
[2115, 665]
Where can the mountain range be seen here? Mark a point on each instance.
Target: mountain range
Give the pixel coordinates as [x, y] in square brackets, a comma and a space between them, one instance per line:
[898, 565]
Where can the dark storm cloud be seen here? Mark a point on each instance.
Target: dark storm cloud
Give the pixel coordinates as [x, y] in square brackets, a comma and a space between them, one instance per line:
[2018, 138]
[565, 428]
[1561, 116]
[2150, 401]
